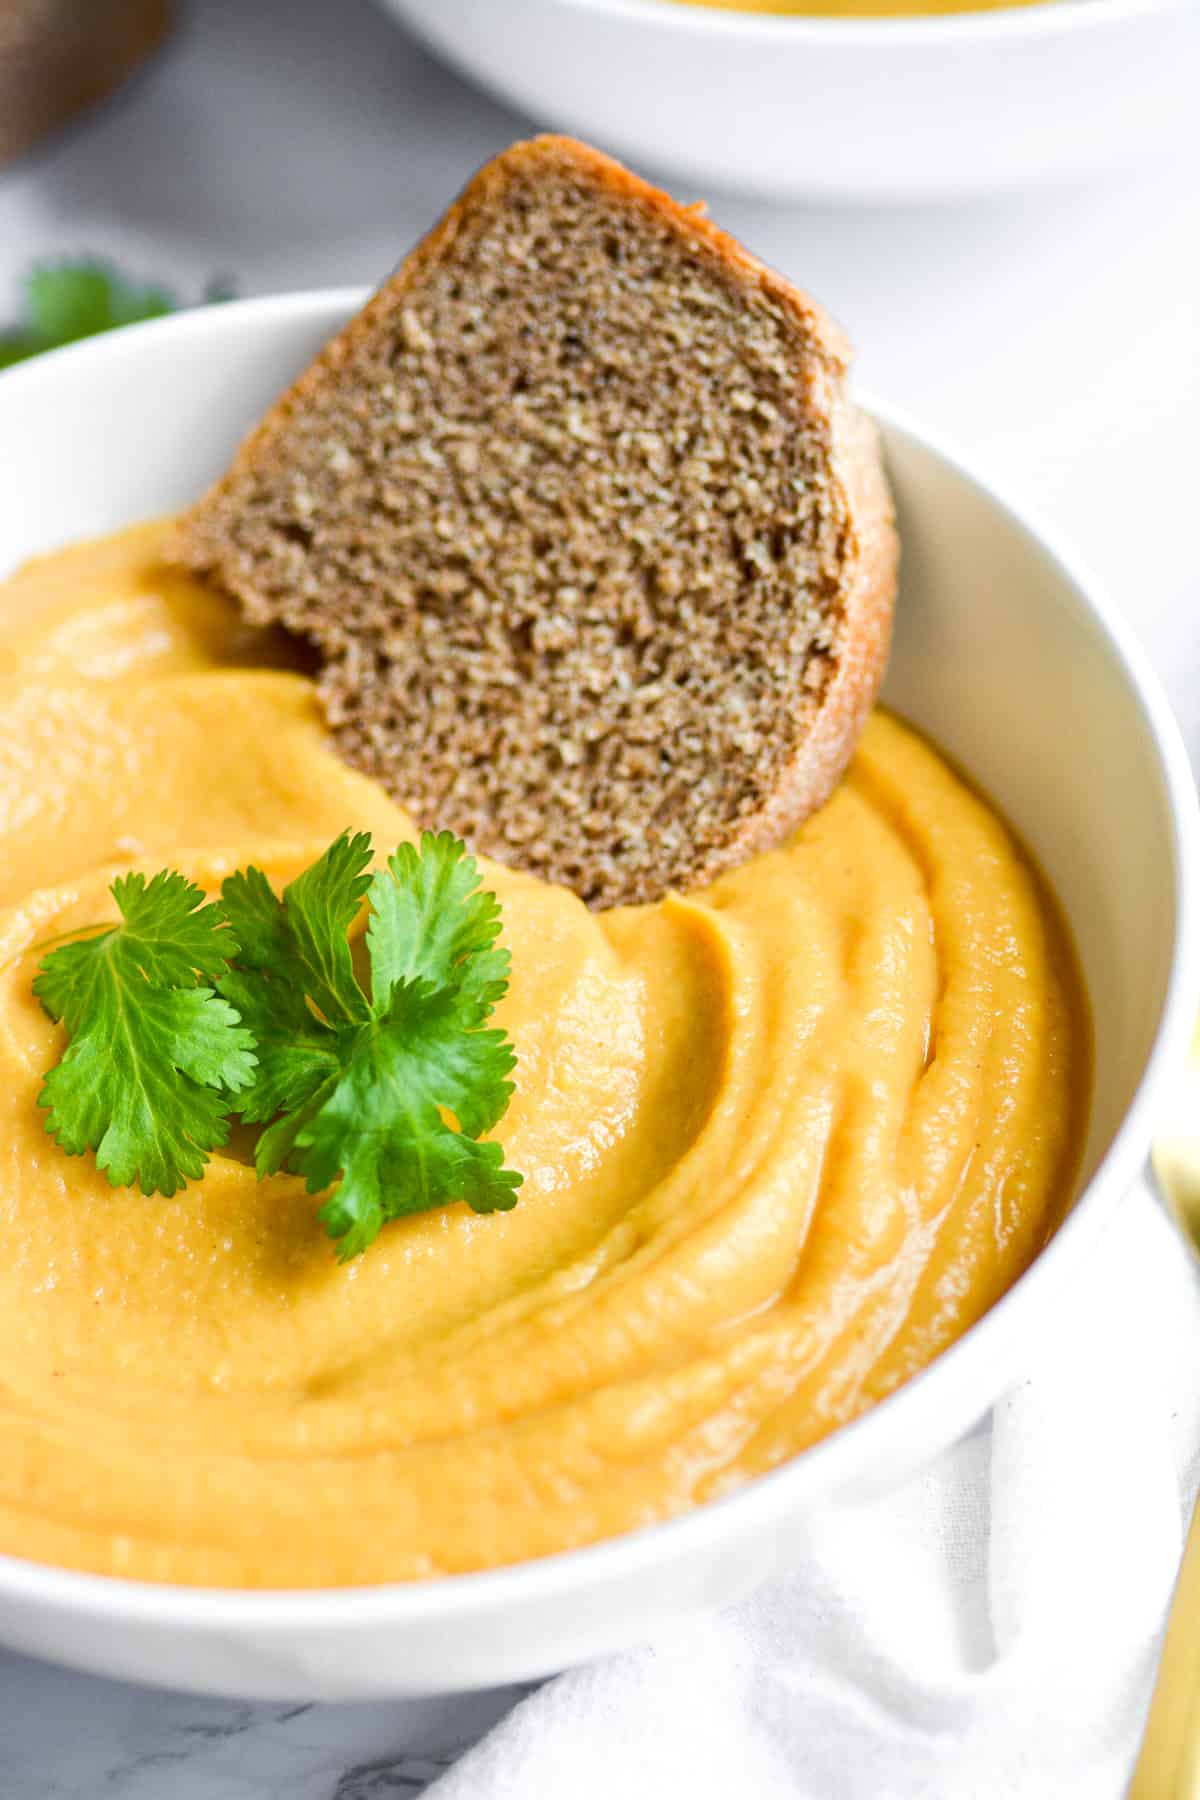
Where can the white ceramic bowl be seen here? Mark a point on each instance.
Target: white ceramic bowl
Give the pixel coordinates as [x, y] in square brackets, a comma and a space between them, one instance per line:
[855, 109]
[1015, 664]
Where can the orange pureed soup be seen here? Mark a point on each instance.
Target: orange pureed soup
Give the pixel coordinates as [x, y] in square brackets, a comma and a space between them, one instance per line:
[861, 9]
[783, 1141]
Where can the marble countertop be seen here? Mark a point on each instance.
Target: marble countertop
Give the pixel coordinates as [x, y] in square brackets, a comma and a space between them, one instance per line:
[65, 1736]
[1050, 337]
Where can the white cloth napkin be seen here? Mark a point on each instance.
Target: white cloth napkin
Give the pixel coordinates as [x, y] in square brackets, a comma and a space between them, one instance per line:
[989, 1630]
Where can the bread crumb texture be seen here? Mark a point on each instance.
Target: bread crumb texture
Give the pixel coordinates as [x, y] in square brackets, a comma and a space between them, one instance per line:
[562, 512]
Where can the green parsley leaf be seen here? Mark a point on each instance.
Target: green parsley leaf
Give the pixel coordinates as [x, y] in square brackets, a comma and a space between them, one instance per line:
[16, 346]
[303, 939]
[387, 1097]
[154, 1055]
[385, 1113]
[67, 301]
[294, 980]
[431, 921]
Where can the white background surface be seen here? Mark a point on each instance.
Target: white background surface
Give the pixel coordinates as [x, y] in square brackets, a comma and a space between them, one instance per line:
[1054, 339]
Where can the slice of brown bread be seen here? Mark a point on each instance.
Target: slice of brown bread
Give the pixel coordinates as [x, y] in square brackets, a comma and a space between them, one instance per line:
[599, 558]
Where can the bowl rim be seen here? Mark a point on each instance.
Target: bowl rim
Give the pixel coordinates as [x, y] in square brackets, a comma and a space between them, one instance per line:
[1041, 19]
[285, 1611]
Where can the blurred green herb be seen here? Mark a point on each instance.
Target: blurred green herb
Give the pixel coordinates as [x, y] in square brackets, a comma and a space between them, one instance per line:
[67, 301]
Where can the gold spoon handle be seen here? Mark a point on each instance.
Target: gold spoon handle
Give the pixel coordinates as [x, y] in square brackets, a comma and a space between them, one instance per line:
[1168, 1767]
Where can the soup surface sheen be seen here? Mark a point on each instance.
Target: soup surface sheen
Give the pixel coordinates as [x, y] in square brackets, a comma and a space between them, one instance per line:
[861, 9]
[783, 1141]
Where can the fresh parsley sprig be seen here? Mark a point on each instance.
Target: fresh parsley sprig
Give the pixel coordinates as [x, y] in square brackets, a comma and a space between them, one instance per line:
[358, 1086]
[188, 1013]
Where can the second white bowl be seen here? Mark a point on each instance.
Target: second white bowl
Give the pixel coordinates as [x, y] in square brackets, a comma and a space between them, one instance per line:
[856, 109]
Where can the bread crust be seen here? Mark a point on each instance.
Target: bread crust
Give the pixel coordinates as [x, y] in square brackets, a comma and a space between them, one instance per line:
[863, 644]
[857, 487]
